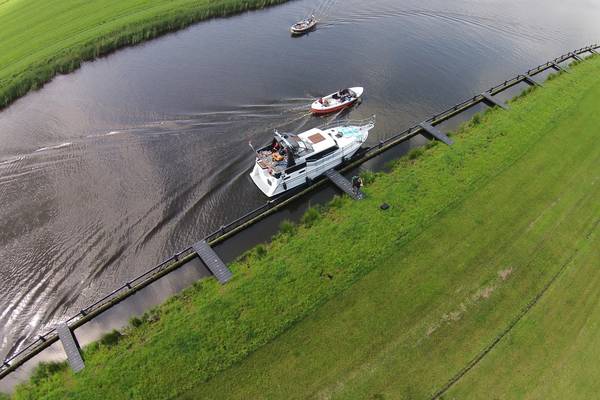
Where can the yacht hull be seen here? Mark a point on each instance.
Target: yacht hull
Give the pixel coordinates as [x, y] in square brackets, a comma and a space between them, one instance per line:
[349, 140]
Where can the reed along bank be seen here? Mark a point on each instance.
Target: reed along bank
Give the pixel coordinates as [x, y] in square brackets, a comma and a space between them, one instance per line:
[42, 38]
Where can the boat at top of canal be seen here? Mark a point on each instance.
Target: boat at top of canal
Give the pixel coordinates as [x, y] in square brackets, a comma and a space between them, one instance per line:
[304, 26]
[337, 101]
[291, 160]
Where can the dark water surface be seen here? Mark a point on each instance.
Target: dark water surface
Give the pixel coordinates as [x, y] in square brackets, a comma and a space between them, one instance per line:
[111, 169]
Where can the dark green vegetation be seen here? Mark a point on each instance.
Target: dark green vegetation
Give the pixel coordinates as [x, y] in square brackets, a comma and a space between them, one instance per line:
[41, 38]
[372, 304]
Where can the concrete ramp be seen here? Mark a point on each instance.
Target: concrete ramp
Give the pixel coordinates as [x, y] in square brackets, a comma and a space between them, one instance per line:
[71, 347]
[489, 100]
[531, 81]
[212, 261]
[343, 183]
[558, 67]
[436, 133]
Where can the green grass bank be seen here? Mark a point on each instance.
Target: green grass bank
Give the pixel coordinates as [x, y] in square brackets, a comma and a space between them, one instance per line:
[359, 303]
[513, 262]
[42, 38]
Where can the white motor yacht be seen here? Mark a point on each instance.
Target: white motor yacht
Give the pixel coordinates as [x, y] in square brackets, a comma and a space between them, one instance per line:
[291, 160]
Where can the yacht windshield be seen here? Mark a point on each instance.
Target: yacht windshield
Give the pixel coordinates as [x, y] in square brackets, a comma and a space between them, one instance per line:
[298, 146]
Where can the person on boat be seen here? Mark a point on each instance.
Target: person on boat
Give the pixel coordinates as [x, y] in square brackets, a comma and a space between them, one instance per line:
[289, 155]
[277, 156]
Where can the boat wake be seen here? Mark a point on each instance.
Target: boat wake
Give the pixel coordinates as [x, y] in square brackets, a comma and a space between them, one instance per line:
[492, 23]
[58, 146]
[11, 161]
[323, 9]
[204, 159]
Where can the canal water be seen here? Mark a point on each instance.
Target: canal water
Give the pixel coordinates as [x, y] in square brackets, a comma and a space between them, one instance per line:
[109, 170]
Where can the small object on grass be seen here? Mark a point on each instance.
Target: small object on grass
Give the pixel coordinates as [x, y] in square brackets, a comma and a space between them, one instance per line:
[384, 206]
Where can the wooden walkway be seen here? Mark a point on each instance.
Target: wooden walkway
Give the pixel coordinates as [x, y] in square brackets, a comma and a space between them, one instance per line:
[558, 67]
[71, 347]
[436, 133]
[212, 261]
[531, 81]
[493, 102]
[343, 183]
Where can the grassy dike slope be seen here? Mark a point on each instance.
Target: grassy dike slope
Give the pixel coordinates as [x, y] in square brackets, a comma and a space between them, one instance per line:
[553, 352]
[372, 304]
[40, 38]
[435, 303]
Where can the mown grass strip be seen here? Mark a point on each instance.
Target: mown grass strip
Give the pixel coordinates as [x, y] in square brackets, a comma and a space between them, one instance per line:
[473, 363]
[42, 38]
[551, 354]
[357, 301]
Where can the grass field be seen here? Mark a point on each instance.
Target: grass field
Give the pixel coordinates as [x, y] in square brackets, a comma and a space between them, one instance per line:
[552, 353]
[40, 38]
[359, 303]
[432, 306]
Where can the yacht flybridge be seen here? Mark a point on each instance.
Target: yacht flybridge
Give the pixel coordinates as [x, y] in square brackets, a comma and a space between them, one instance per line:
[291, 160]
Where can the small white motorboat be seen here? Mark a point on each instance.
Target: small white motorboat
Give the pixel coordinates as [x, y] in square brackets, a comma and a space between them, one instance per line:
[303, 26]
[292, 160]
[336, 101]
